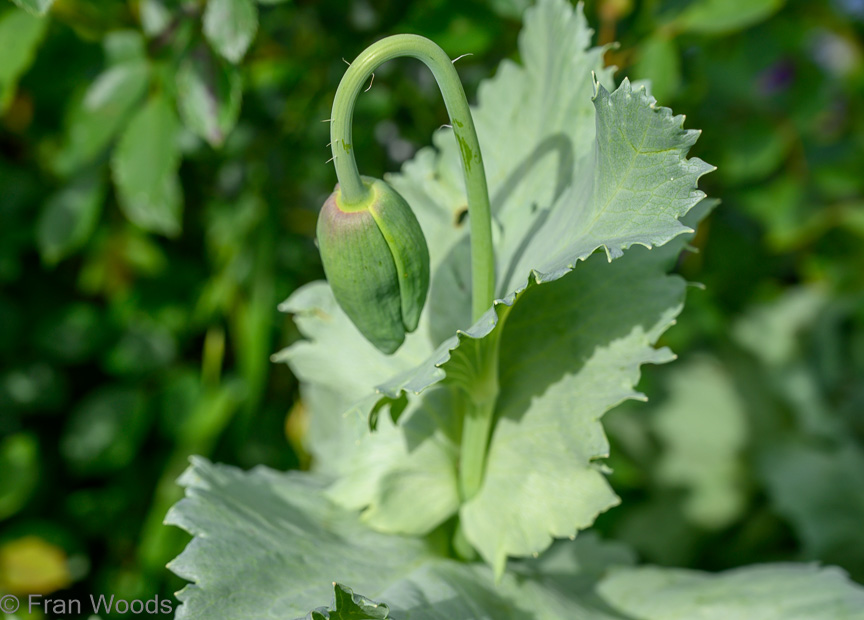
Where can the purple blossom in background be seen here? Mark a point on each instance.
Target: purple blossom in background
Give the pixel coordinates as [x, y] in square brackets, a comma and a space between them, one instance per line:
[776, 78]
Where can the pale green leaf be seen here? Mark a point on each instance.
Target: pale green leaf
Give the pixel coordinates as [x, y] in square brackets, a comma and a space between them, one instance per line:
[725, 16]
[230, 26]
[144, 166]
[123, 46]
[96, 119]
[405, 476]
[767, 592]
[568, 175]
[208, 96]
[331, 385]
[820, 490]
[702, 429]
[20, 36]
[270, 545]
[36, 7]
[69, 217]
[287, 544]
[641, 185]
[536, 125]
[772, 331]
[155, 17]
[570, 351]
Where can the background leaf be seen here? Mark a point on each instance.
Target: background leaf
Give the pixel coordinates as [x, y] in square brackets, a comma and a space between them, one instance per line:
[820, 491]
[101, 114]
[69, 218]
[144, 167]
[230, 26]
[37, 7]
[208, 96]
[724, 16]
[768, 592]
[21, 35]
[703, 432]
[105, 431]
[659, 61]
[155, 17]
[19, 460]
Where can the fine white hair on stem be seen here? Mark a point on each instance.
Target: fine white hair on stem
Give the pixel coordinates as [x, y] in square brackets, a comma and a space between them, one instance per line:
[327, 120]
[345, 61]
[370, 84]
[329, 160]
[462, 56]
[446, 125]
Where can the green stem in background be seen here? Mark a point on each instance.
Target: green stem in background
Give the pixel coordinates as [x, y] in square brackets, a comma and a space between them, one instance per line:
[355, 192]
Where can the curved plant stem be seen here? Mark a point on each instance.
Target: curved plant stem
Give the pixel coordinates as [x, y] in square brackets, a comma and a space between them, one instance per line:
[482, 395]
[353, 189]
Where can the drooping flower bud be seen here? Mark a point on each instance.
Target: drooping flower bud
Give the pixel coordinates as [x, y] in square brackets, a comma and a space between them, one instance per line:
[376, 260]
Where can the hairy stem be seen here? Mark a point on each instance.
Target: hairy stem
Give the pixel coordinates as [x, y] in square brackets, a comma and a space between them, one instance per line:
[352, 187]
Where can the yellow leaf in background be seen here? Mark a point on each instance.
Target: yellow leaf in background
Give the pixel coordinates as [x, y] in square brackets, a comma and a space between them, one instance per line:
[30, 565]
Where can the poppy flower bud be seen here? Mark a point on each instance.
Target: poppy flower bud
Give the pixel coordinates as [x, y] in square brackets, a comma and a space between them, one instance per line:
[377, 262]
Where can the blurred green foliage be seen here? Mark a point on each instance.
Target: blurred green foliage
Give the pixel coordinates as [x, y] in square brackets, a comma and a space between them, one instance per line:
[161, 165]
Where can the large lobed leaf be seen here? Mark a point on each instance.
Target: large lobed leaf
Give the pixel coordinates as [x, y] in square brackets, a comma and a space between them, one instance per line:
[268, 546]
[572, 168]
[281, 538]
[570, 351]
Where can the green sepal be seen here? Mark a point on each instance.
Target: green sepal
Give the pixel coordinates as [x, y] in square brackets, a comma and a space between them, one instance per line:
[376, 260]
[402, 232]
